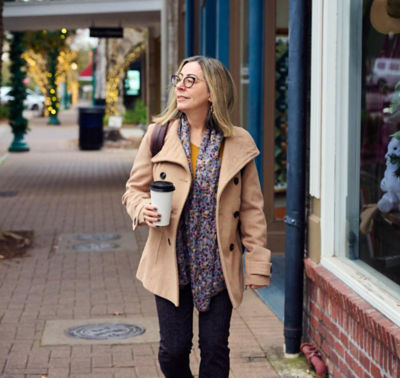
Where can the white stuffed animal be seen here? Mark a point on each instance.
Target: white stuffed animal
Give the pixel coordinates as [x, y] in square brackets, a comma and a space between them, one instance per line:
[391, 180]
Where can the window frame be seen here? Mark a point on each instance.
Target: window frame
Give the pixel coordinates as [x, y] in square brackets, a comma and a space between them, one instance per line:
[335, 92]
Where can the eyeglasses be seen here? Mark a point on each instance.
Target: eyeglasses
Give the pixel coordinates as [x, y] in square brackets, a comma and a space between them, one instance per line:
[188, 81]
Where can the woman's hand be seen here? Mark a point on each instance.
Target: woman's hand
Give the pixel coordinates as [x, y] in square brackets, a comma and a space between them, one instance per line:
[150, 215]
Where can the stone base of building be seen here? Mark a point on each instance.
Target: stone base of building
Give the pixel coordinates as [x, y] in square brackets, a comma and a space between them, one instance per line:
[355, 339]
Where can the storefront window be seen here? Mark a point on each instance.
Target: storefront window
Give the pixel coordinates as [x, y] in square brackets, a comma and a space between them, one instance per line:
[379, 233]
[281, 106]
[280, 138]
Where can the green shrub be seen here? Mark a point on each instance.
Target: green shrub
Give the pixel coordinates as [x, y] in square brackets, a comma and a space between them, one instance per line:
[137, 115]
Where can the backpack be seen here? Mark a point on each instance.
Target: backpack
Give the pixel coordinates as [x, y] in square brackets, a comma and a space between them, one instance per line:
[157, 138]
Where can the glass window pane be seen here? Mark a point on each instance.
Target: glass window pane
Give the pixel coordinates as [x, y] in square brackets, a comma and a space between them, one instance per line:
[379, 241]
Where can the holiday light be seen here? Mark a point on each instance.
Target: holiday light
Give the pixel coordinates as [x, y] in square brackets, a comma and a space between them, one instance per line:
[37, 70]
[115, 75]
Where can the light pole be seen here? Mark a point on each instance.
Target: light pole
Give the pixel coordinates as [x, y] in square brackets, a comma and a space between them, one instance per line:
[18, 123]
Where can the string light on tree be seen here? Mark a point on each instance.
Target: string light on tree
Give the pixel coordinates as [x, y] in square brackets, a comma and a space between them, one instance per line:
[115, 75]
[49, 44]
[36, 65]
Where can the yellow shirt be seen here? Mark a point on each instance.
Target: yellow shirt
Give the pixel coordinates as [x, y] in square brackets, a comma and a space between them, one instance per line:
[194, 152]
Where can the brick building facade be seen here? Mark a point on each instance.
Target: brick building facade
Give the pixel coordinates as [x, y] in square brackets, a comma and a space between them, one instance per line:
[354, 337]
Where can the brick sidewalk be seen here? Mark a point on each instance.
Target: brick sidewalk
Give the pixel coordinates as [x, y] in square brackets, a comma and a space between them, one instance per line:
[61, 190]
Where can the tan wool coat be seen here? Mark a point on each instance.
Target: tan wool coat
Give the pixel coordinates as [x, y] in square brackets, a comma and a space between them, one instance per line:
[240, 217]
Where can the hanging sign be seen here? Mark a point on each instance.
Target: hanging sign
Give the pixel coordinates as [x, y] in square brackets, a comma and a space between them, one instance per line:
[107, 32]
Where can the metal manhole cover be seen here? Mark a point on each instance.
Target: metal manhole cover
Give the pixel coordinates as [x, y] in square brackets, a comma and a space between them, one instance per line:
[105, 331]
[8, 193]
[94, 247]
[98, 237]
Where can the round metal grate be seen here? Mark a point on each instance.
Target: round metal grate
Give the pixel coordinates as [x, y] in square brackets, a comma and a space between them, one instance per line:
[94, 247]
[98, 237]
[105, 331]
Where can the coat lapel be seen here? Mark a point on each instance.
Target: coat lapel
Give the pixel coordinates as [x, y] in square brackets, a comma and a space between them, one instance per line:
[172, 150]
[239, 150]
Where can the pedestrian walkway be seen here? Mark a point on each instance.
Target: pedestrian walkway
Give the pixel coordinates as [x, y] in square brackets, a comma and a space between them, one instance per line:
[63, 195]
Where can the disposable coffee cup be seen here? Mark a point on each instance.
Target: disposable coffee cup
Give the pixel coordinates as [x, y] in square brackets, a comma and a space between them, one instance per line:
[161, 196]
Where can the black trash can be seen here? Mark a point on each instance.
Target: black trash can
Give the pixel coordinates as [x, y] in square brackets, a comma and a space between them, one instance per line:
[100, 101]
[91, 127]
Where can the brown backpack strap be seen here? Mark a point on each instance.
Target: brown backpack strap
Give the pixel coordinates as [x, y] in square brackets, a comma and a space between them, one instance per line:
[157, 138]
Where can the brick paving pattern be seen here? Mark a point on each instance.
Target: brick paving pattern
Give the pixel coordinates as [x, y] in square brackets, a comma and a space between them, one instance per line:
[63, 190]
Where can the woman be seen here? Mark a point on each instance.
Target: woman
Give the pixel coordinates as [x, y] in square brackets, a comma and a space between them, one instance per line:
[197, 259]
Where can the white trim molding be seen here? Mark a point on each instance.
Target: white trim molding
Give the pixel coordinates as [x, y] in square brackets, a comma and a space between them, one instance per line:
[328, 125]
[316, 96]
[372, 286]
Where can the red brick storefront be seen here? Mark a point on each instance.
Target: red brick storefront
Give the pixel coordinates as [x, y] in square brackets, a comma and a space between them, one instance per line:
[355, 339]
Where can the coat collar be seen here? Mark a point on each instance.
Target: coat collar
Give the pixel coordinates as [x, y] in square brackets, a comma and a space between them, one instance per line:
[232, 161]
[172, 150]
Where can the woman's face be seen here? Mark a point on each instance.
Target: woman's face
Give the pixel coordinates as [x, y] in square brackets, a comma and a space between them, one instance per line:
[197, 97]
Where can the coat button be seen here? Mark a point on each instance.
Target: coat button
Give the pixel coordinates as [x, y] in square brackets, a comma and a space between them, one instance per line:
[169, 242]
[236, 181]
[134, 221]
[236, 214]
[231, 247]
[163, 175]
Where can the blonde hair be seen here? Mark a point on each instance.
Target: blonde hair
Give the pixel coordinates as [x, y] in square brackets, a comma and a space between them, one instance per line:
[222, 93]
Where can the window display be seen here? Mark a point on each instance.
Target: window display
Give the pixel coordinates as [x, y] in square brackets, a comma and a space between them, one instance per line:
[379, 242]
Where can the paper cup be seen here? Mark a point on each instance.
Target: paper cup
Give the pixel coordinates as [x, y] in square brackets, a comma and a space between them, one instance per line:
[161, 196]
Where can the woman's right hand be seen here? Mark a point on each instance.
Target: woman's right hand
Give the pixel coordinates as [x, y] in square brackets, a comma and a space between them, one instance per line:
[150, 215]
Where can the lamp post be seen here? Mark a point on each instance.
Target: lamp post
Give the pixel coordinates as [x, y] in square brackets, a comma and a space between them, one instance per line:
[18, 123]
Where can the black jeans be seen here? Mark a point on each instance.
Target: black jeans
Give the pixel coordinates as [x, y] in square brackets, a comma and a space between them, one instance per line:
[176, 333]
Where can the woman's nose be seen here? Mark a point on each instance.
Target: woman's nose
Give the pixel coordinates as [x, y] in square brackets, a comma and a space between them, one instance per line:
[180, 85]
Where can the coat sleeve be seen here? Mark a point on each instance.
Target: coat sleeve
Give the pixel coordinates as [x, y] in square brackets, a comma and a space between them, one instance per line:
[137, 193]
[253, 229]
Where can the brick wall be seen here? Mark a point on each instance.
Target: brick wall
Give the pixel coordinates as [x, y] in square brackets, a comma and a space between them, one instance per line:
[355, 339]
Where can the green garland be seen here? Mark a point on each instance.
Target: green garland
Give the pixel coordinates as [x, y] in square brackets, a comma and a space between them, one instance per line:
[52, 61]
[18, 123]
